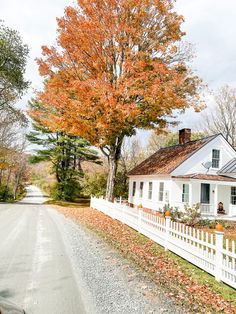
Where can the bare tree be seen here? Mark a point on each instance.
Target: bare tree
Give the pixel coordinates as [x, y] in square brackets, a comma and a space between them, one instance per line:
[166, 139]
[11, 131]
[223, 118]
[13, 160]
[156, 141]
[132, 154]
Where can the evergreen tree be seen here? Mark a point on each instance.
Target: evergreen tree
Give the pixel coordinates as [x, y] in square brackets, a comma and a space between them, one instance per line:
[13, 57]
[65, 152]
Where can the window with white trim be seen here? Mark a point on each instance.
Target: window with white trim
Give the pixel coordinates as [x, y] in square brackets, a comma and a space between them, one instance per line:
[233, 195]
[149, 190]
[215, 158]
[167, 196]
[141, 189]
[134, 188]
[185, 193]
[161, 191]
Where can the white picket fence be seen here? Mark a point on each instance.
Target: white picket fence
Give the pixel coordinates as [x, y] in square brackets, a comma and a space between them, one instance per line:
[210, 252]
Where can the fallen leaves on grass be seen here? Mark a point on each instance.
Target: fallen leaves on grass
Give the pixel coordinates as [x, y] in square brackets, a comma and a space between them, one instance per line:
[151, 258]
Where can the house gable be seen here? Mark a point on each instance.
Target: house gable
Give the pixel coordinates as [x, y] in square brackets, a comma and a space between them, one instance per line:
[194, 164]
[167, 159]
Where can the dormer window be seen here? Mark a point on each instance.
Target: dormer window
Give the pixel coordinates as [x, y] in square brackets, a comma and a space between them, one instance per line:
[215, 158]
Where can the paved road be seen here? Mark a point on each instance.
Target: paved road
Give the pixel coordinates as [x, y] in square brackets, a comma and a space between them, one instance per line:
[50, 265]
[35, 272]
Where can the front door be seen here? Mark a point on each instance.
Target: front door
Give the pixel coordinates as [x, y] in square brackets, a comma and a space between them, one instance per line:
[205, 193]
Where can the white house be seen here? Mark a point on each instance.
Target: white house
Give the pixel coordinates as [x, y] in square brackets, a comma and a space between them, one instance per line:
[201, 171]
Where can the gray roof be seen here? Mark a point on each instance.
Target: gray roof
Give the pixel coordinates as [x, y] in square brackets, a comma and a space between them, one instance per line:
[230, 167]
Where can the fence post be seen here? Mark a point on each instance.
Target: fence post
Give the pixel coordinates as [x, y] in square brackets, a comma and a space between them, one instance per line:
[140, 208]
[123, 213]
[167, 221]
[219, 254]
[111, 211]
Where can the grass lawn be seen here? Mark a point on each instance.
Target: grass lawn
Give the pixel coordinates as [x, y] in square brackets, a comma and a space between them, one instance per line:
[187, 285]
[79, 203]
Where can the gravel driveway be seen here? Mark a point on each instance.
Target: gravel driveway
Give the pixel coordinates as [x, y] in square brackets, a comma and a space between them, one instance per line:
[107, 282]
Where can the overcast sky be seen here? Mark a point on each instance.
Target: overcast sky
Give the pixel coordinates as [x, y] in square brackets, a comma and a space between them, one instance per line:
[210, 26]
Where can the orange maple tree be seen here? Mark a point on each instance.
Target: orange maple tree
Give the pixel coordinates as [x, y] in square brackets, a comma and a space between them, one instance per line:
[118, 65]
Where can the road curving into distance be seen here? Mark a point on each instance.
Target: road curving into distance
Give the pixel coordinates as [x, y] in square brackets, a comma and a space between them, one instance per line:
[51, 265]
[35, 272]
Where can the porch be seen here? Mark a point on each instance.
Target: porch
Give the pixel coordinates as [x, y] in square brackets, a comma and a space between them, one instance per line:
[209, 210]
[209, 193]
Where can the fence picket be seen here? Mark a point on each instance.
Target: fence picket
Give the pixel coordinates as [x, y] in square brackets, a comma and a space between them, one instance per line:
[200, 248]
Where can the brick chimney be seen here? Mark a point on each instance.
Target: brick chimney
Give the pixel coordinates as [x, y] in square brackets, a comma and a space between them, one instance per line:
[184, 136]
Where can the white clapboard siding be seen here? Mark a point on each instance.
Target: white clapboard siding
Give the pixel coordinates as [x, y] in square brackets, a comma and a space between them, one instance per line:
[210, 253]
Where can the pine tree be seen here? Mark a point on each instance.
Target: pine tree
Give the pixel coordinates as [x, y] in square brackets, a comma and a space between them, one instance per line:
[65, 152]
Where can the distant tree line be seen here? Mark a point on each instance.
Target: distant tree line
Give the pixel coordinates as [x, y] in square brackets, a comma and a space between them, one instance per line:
[13, 159]
[222, 118]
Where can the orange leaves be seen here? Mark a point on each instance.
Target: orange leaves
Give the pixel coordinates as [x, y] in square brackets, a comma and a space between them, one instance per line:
[165, 270]
[116, 61]
[4, 165]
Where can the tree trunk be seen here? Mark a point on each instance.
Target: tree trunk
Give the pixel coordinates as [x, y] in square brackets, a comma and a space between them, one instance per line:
[113, 163]
[18, 179]
[1, 177]
[8, 178]
[113, 159]
[58, 175]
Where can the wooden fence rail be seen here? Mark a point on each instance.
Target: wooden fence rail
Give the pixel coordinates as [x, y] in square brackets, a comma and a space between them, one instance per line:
[212, 253]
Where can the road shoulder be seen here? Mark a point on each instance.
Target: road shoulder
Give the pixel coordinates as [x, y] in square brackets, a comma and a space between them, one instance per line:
[183, 283]
[109, 281]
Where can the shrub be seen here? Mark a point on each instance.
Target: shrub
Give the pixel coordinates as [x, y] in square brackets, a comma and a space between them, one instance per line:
[6, 194]
[207, 223]
[121, 185]
[95, 184]
[176, 215]
[66, 190]
[192, 214]
[211, 224]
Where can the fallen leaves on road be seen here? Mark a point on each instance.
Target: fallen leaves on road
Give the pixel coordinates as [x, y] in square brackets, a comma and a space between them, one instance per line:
[165, 270]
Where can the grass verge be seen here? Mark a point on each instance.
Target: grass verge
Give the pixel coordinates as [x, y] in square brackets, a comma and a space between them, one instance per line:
[79, 203]
[187, 285]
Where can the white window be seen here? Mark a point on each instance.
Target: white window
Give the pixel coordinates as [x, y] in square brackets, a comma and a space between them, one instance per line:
[150, 190]
[134, 188]
[141, 189]
[215, 158]
[233, 195]
[161, 191]
[167, 196]
[185, 194]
